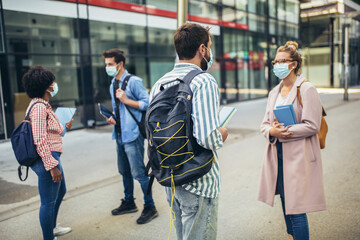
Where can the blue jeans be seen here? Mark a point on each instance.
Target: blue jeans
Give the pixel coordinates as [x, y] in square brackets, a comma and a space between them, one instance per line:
[51, 196]
[296, 224]
[196, 216]
[130, 160]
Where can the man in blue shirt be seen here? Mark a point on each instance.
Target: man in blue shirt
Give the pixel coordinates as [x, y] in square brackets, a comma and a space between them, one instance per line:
[129, 141]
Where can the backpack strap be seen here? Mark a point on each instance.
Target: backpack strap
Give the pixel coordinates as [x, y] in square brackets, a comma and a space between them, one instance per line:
[123, 87]
[20, 173]
[190, 76]
[125, 82]
[28, 113]
[299, 97]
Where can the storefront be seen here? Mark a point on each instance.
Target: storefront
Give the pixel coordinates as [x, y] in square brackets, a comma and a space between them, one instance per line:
[68, 37]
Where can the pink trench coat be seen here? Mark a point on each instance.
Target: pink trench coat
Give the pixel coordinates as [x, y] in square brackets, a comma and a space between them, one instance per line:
[303, 177]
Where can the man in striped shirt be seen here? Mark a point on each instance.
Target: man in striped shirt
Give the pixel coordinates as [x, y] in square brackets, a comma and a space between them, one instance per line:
[195, 204]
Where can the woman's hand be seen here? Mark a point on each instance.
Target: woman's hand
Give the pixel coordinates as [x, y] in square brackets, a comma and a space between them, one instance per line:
[68, 125]
[279, 131]
[111, 120]
[56, 174]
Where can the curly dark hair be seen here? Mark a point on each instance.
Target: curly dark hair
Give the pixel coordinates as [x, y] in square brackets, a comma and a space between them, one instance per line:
[37, 80]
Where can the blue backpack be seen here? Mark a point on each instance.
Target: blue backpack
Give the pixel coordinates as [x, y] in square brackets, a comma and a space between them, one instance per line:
[23, 144]
[175, 158]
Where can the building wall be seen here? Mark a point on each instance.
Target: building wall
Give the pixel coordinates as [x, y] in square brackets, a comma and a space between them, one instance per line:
[68, 37]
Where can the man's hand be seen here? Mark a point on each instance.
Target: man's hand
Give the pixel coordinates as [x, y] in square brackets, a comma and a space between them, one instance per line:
[56, 174]
[278, 130]
[111, 120]
[224, 133]
[68, 125]
[120, 94]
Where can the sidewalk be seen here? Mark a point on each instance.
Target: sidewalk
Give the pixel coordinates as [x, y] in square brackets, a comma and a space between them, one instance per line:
[94, 186]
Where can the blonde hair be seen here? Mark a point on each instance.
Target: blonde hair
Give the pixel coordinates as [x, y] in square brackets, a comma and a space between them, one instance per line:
[291, 47]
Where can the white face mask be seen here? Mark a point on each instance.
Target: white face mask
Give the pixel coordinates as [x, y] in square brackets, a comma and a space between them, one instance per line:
[281, 70]
[56, 89]
[111, 71]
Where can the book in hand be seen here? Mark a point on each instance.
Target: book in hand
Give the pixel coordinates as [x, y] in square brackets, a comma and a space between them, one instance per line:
[64, 114]
[105, 112]
[226, 113]
[285, 114]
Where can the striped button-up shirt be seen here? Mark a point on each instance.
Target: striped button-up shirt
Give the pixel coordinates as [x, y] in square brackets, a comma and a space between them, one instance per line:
[205, 116]
[47, 131]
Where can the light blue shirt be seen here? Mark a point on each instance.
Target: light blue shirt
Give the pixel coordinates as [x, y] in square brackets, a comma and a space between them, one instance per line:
[136, 91]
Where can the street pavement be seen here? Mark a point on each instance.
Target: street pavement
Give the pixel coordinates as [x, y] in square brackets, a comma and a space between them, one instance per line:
[95, 187]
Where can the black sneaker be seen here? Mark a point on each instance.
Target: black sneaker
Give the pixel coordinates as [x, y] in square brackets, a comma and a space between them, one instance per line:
[148, 214]
[125, 207]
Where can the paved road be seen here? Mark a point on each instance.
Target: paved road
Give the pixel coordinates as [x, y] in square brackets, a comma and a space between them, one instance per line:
[94, 186]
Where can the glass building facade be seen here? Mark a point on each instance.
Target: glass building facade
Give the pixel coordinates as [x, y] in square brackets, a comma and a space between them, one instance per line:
[69, 36]
[323, 38]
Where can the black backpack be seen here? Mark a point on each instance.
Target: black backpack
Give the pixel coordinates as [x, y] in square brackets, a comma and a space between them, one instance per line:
[175, 158]
[23, 144]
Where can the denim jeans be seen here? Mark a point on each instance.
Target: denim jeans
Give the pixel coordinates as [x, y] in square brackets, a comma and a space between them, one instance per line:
[51, 196]
[296, 224]
[196, 216]
[130, 160]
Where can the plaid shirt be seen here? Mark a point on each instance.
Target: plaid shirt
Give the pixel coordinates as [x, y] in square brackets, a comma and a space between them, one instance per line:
[46, 130]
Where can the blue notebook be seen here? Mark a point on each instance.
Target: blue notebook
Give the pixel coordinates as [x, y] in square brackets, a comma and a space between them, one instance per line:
[64, 114]
[285, 114]
[105, 112]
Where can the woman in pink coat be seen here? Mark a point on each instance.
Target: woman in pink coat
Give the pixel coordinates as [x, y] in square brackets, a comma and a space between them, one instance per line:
[292, 163]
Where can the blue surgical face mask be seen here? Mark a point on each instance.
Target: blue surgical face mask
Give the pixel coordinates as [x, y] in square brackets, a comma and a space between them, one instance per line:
[281, 70]
[210, 62]
[56, 89]
[111, 71]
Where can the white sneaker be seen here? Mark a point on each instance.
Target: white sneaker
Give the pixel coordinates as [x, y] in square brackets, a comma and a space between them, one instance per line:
[59, 230]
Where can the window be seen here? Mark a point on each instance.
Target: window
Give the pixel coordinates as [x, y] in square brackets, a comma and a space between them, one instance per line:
[129, 38]
[36, 33]
[281, 10]
[292, 30]
[241, 4]
[272, 26]
[272, 8]
[252, 22]
[281, 28]
[66, 70]
[162, 4]
[161, 42]
[292, 11]
[230, 3]
[2, 47]
[228, 15]
[203, 9]
[261, 7]
[158, 68]
[241, 17]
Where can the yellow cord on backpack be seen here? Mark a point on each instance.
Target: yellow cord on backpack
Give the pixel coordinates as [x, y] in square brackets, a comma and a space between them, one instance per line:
[172, 213]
